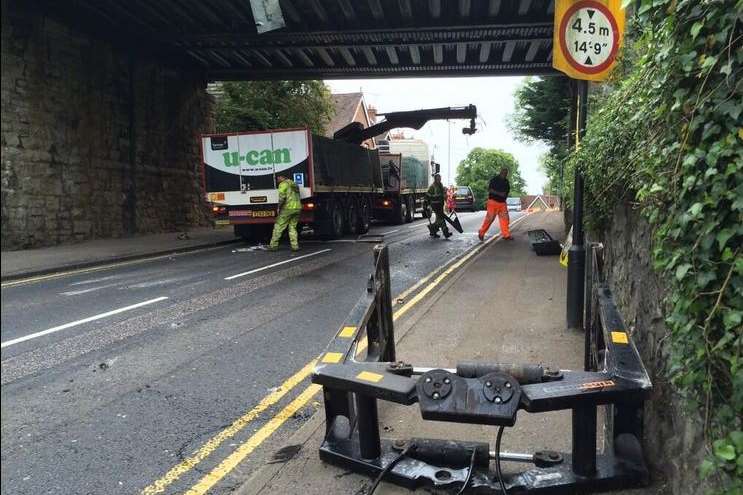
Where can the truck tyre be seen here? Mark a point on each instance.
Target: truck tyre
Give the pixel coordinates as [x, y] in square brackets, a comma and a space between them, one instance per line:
[352, 218]
[400, 212]
[410, 210]
[254, 233]
[364, 216]
[332, 224]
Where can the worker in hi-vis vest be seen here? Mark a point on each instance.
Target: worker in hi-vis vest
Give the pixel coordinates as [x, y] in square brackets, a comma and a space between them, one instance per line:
[435, 196]
[288, 213]
[498, 190]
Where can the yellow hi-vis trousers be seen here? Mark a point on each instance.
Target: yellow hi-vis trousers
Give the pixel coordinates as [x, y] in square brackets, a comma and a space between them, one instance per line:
[286, 219]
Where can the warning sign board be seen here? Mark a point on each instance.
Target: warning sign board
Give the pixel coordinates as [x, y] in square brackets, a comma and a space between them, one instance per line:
[587, 37]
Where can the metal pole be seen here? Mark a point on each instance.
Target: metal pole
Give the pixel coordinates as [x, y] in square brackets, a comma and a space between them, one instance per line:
[448, 164]
[588, 323]
[577, 252]
[367, 423]
[584, 440]
[387, 333]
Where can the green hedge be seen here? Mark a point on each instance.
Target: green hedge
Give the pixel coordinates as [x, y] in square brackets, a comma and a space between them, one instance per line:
[670, 138]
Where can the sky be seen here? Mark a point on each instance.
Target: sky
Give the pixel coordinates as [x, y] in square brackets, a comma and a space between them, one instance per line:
[493, 97]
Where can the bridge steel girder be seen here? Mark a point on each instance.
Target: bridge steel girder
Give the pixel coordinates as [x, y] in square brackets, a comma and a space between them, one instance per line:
[326, 38]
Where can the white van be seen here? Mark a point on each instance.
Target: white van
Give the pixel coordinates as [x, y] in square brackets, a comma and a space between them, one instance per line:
[513, 204]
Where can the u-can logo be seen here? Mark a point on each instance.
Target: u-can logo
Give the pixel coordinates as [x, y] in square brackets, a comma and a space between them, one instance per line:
[255, 157]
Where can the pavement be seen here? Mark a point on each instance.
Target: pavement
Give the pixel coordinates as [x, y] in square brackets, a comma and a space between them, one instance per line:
[506, 305]
[184, 373]
[32, 262]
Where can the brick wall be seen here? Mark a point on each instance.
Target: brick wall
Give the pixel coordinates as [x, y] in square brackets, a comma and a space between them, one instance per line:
[95, 143]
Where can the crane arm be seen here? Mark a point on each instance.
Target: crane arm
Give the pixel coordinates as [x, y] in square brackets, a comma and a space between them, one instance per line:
[414, 119]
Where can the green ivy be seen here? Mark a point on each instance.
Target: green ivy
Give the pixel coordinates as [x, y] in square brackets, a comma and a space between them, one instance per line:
[669, 137]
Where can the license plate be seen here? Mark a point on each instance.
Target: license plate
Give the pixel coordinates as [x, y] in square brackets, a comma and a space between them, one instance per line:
[264, 213]
[459, 197]
[221, 222]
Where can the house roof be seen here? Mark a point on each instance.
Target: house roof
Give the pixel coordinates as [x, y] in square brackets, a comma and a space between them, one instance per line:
[530, 200]
[346, 105]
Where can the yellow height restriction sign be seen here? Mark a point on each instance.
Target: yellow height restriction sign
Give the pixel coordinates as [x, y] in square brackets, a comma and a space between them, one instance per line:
[587, 37]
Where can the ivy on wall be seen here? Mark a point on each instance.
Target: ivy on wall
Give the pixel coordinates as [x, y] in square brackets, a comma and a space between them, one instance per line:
[670, 138]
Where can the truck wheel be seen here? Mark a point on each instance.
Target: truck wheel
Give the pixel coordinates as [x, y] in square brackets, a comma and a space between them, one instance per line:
[400, 212]
[409, 212]
[352, 218]
[364, 217]
[332, 225]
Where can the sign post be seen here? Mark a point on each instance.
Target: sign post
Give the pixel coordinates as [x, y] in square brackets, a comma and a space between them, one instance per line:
[586, 40]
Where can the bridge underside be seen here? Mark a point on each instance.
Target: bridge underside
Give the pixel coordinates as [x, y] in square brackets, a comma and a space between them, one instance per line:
[324, 39]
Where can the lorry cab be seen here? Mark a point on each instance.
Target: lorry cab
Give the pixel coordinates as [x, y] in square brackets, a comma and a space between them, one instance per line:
[406, 180]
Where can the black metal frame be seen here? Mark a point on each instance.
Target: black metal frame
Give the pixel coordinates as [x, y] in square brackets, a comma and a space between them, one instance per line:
[324, 39]
[614, 377]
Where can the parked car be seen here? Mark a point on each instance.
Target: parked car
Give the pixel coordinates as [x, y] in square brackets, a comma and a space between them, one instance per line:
[513, 204]
[464, 199]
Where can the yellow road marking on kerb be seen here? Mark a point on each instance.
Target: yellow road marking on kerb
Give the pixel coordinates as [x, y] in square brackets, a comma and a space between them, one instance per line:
[300, 401]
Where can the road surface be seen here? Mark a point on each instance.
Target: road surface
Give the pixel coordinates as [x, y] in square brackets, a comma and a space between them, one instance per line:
[143, 378]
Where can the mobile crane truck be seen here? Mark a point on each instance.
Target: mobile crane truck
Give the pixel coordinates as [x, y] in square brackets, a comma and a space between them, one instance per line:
[342, 185]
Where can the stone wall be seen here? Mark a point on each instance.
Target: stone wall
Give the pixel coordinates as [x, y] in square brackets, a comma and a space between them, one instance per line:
[95, 142]
[673, 440]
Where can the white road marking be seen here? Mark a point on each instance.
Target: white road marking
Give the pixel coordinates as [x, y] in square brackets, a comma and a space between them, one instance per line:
[390, 232]
[267, 267]
[80, 322]
[94, 280]
[85, 291]
[154, 283]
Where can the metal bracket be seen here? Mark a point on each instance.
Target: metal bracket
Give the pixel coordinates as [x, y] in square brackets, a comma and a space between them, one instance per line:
[483, 393]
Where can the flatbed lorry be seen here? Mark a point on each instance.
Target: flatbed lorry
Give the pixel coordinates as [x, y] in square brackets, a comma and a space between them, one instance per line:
[338, 182]
[342, 185]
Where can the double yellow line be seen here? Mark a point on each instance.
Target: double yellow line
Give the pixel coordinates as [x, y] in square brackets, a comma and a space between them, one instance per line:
[245, 449]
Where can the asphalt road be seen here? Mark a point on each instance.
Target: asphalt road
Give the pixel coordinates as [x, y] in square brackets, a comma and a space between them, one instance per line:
[111, 379]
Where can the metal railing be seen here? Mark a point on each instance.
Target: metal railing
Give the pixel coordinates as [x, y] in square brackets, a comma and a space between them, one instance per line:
[367, 335]
[484, 393]
[603, 320]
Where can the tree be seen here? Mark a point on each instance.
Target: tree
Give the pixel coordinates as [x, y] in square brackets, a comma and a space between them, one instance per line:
[481, 165]
[542, 114]
[257, 105]
[542, 110]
